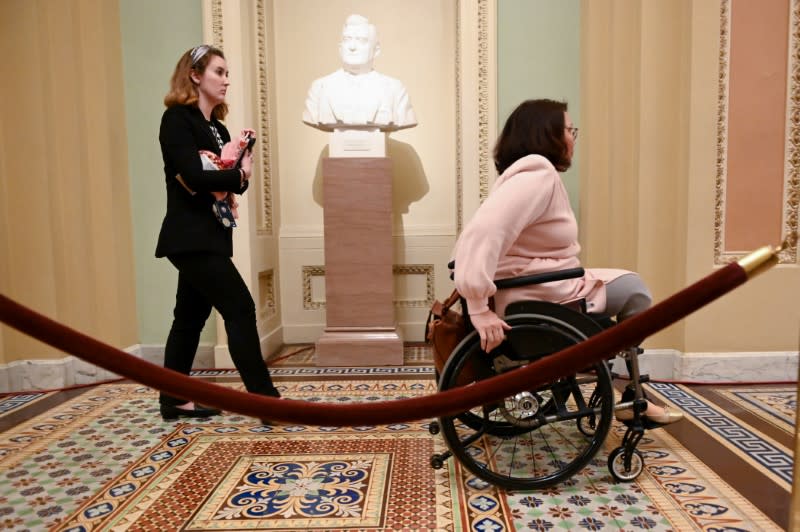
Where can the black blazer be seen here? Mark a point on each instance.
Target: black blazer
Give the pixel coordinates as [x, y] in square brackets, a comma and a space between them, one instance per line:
[189, 224]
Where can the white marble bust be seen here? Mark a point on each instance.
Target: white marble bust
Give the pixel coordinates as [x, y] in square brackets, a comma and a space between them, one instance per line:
[356, 96]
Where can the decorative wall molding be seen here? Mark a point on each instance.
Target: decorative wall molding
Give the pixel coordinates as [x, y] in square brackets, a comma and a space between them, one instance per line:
[417, 269]
[216, 23]
[483, 98]
[309, 303]
[792, 183]
[480, 52]
[791, 191]
[264, 113]
[722, 131]
[459, 125]
[267, 303]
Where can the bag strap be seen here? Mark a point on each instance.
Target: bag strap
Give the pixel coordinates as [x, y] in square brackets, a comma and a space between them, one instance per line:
[451, 300]
[438, 309]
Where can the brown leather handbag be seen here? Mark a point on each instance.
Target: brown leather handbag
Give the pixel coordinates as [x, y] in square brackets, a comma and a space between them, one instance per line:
[444, 330]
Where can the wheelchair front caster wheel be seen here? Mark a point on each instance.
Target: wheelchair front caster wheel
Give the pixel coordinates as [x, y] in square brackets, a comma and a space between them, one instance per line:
[621, 471]
[437, 462]
[434, 428]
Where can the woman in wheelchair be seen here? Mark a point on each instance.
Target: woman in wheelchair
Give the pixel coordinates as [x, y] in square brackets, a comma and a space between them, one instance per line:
[526, 226]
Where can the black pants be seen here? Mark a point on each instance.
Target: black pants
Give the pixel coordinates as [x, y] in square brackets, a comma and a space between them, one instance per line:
[206, 281]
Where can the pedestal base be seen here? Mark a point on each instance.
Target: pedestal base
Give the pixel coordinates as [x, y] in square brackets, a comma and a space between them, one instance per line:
[350, 346]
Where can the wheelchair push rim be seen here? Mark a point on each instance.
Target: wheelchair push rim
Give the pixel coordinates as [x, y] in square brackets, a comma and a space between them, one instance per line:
[538, 437]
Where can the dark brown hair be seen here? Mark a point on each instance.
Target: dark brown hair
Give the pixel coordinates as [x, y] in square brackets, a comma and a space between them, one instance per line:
[534, 127]
[182, 90]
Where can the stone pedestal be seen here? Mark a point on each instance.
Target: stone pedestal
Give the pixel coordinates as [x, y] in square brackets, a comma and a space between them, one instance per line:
[361, 329]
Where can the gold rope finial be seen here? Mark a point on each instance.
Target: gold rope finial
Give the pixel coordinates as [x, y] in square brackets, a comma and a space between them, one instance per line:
[764, 258]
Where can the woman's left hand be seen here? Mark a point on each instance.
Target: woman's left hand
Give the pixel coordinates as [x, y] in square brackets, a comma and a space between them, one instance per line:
[490, 328]
[230, 151]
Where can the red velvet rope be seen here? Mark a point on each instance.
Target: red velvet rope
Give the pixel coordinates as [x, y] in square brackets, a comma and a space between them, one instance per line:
[600, 347]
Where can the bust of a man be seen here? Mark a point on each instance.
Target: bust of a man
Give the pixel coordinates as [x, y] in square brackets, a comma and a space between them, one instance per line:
[356, 96]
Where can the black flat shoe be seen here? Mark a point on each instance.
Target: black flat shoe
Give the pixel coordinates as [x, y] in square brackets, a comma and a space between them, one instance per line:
[171, 413]
[277, 395]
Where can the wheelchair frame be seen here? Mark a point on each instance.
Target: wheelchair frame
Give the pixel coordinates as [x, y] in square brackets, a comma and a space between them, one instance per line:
[543, 436]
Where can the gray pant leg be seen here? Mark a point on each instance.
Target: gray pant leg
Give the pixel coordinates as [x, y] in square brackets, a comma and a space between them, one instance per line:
[627, 296]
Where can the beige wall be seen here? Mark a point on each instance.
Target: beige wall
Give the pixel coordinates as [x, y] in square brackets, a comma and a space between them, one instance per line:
[763, 315]
[245, 30]
[651, 101]
[65, 236]
[429, 161]
[650, 178]
[757, 62]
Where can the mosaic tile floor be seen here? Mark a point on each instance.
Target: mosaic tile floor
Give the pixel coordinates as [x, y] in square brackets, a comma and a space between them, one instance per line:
[105, 460]
[776, 405]
[15, 401]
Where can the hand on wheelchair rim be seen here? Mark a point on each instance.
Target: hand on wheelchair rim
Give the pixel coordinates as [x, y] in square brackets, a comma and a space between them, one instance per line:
[491, 329]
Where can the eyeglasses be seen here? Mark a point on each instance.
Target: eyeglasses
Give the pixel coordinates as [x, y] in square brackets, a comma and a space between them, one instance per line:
[198, 52]
[573, 131]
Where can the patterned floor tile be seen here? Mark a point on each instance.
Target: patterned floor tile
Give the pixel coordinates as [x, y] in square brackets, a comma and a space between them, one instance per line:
[13, 402]
[223, 480]
[777, 406]
[105, 460]
[748, 443]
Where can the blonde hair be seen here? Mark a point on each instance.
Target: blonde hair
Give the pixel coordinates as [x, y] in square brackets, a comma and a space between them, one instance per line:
[182, 90]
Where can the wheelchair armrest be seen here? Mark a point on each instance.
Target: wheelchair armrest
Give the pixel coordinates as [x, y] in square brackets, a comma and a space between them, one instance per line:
[539, 278]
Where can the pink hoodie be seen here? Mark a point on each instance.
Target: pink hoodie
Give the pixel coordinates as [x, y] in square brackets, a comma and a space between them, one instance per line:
[525, 226]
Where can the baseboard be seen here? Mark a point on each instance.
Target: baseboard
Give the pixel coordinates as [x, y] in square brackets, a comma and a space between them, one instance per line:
[56, 374]
[302, 334]
[270, 343]
[660, 364]
[411, 331]
[736, 367]
[154, 353]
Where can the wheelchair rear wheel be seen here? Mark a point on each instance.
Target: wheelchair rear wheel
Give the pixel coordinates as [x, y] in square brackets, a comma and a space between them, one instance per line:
[537, 437]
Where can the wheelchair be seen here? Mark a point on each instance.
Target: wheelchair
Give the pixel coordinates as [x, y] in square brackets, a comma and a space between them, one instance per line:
[542, 436]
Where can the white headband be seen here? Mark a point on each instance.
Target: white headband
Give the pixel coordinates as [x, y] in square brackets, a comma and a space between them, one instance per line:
[198, 52]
